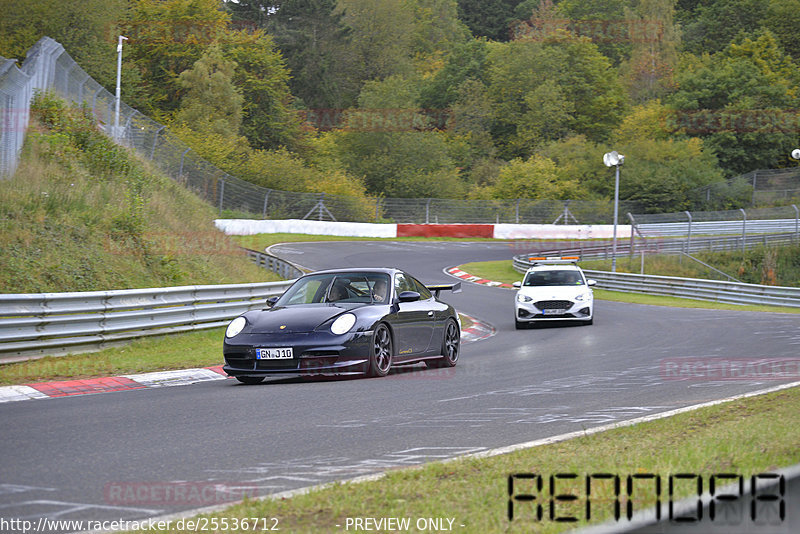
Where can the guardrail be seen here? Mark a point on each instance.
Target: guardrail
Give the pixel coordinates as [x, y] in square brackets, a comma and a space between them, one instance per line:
[52, 323]
[283, 268]
[695, 288]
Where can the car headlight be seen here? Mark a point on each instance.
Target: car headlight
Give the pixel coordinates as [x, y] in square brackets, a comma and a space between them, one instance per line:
[236, 326]
[343, 323]
[585, 296]
[523, 298]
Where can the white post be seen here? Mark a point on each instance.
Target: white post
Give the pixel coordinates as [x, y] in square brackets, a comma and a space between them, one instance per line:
[116, 135]
[616, 209]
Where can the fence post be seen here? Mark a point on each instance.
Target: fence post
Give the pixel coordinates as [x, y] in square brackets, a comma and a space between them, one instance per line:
[155, 140]
[427, 211]
[377, 208]
[180, 172]
[266, 199]
[744, 229]
[516, 212]
[221, 195]
[689, 234]
[796, 223]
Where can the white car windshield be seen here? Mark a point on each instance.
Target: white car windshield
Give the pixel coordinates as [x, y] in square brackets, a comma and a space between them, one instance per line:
[553, 278]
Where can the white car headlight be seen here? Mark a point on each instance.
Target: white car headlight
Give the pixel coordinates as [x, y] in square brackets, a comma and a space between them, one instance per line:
[343, 323]
[523, 298]
[236, 326]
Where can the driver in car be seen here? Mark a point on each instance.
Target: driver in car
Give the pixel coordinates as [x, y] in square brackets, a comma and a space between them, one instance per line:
[379, 290]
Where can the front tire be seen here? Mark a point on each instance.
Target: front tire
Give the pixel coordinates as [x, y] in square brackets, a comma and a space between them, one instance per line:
[380, 356]
[451, 346]
[250, 380]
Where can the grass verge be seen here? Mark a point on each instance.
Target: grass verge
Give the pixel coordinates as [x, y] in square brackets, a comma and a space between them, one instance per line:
[163, 353]
[502, 271]
[744, 437]
[84, 214]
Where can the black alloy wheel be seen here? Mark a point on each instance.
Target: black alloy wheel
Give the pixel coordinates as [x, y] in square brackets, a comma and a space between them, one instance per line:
[380, 357]
[451, 346]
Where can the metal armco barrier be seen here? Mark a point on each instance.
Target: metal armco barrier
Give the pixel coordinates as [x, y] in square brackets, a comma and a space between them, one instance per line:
[283, 268]
[694, 288]
[51, 323]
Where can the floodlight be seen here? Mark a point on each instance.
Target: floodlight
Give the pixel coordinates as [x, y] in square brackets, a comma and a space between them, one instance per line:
[796, 153]
[613, 158]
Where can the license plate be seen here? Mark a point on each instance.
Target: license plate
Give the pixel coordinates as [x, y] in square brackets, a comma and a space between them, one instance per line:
[274, 354]
[557, 311]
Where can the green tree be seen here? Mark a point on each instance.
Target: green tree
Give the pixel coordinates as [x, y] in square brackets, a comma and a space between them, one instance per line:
[536, 177]
[211, 104]
[738, 101]
[166, 37]
[661, 175]
[381, 36]
[711, 25]
[269, 119]
[602, 21]
[488, 19]
[783, 19]
[581, 160]
[87, 29]
[589, 95]
[466, 61]
[383, 143]
[654, 54]
[312, 39]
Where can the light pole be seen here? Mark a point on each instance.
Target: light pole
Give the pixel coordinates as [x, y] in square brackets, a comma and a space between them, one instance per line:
[119, 77]
[614, 159]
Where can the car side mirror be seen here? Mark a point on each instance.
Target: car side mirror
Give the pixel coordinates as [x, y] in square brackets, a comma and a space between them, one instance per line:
[517, 284]
[591, 282]
[408, 296]
[271, 301]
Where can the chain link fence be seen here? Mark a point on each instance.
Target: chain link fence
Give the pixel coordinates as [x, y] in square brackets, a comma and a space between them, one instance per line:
[759, 187]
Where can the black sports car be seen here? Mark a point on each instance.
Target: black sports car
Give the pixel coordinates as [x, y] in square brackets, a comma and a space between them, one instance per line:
[349, 321]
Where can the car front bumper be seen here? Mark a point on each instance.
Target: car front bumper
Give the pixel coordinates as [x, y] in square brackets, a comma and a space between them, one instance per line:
[313, 353]
[577, 311]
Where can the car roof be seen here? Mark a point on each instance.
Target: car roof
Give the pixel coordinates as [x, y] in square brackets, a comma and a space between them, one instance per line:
[381, 270]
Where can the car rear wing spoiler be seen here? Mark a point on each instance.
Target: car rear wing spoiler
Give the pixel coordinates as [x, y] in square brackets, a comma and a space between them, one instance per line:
[437, 288]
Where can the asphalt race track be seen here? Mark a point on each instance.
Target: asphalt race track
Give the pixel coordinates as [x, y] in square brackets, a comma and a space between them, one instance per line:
[105, 456]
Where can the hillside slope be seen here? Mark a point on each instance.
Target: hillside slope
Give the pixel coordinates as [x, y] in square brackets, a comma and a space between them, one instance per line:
[82, 213]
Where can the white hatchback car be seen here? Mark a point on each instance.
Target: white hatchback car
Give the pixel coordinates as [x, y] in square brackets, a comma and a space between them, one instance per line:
[554, 289]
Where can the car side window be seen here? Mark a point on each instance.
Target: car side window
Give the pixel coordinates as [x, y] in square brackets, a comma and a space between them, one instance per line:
[402, 283]
[424, 293]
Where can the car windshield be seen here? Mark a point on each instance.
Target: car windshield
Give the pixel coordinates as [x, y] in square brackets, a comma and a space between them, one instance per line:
[337, 287]
[554, 278]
